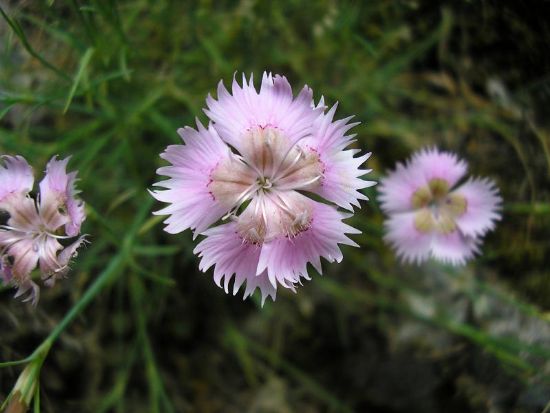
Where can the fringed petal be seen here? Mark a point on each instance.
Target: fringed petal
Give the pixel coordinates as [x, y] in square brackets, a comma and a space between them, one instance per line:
[233, 258]
[483, 204]
[192, 203]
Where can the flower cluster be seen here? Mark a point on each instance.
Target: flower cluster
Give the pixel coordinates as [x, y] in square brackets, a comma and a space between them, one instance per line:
[431, 213]
[254, 168]
[33, 228]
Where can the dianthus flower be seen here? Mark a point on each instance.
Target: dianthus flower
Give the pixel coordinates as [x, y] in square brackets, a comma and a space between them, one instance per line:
[31, 236]
[431, 213]
[254, 168]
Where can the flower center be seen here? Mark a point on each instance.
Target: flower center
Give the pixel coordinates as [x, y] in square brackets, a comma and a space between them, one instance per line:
[264, 183]
[437, 208]
[267, 173]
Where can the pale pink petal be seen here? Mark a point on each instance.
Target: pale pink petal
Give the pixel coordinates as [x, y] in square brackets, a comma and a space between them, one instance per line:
[16, 181]
[232, 257]
[329, 135]
[192, 203]
[436, 164]
[18, 260]
[9, 237]
[75, 208]
[262, 282]
[341, 181]
[285, 258]
[454, 248]
[58, 267]
[397, 188]
[483, 204]
[25, 253]
[48, 262]
[58, 202]
[30, 288]
[23, 215]
[274, 106]
[409, 244]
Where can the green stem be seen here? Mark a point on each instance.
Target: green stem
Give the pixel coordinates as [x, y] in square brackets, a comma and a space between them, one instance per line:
[104, 278]
[539, 208]
[16, 27]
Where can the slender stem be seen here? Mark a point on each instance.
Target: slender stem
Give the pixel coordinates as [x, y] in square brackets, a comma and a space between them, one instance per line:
[104, 278]
[539, 208]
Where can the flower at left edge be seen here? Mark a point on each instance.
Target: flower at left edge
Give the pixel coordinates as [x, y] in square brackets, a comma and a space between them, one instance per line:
[37, 233]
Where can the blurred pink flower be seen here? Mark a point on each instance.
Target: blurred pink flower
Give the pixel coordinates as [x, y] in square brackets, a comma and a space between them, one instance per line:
[431, 214]
[31, 235]
[251, 167]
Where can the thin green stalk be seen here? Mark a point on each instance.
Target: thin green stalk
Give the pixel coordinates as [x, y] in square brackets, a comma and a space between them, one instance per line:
[16, 27]
[157, 392]
[106, 276]
[536, 208]
[84, 61]
[114, 267]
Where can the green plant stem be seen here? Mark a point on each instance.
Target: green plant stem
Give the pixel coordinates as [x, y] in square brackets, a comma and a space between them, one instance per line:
[105, 277]
[21, 35]
[537, 208]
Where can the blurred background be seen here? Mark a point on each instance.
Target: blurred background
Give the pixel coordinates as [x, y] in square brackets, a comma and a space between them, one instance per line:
[109, 82]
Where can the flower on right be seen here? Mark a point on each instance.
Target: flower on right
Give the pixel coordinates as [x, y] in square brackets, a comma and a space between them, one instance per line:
[432, 211]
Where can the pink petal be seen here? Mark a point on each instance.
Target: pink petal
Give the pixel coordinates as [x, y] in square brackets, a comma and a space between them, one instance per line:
[273, 106]
[60, 267]
[231, 257]
[262, 282]
[454, 248]
[437, 164]
[192, 204]
[23, 215]
[58, 202]
[16, 181]
[285, 258]
[409, 244]
[483, 203]
[341, 180]
[397, 188]
[25, 253]
[28, 286]
[47, 250]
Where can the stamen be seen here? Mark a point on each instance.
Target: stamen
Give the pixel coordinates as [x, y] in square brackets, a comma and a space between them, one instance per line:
[250, 165]
[280, 202]
[16, 229]
[57, 236]
[243, 197]
[299, 156]
[300, 185]
[266, 183]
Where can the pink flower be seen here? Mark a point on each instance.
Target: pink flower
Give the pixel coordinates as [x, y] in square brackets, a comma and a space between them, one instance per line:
[430, 213]
[252, 167]
[30, 237]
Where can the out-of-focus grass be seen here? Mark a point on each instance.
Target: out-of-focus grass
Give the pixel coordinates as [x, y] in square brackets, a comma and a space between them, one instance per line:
[111, 82]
